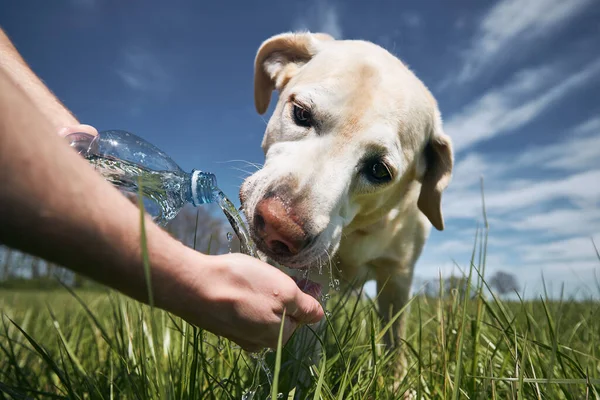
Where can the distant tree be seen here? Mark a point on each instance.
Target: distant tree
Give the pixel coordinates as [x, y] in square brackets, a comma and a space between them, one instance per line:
[6, 264]
[504, 282]
[207, 228]
[36, 264]
[429, 287]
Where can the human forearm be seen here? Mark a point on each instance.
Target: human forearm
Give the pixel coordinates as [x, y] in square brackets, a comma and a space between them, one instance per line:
[15, 67]
[54, 205]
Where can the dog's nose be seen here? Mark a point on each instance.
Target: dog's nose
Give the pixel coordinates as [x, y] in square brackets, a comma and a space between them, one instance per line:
[278, 228]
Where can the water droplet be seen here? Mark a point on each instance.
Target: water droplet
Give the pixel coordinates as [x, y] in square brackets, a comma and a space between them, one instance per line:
[249, 395]
[276, 292]
[229, 236]
[327, 313]
[335, 284]
[325, 297]
[280, 395]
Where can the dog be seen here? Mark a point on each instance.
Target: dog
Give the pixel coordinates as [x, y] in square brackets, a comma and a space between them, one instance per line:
[356, 161]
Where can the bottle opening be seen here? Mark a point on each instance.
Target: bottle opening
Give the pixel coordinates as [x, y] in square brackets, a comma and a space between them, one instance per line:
[80, 141]
[204, 185]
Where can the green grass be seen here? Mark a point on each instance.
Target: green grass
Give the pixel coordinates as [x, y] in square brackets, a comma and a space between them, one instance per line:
[93, 344]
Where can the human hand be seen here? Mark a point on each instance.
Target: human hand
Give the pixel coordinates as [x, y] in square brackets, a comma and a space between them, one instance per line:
[234, 295]
[243, 299]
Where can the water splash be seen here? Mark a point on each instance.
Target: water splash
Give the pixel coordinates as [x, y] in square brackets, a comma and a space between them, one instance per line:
[335, 284]
[229, 240]
[260, 360]
[237, 223]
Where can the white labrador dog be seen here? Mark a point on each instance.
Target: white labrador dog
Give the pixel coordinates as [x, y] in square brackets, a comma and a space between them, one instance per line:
[356, 162]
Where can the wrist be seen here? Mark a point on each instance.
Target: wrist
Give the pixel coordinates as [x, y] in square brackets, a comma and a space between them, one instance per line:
[180, 278]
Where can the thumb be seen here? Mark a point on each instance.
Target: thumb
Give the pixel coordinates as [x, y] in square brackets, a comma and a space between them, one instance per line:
[306, 309]
[67, 130]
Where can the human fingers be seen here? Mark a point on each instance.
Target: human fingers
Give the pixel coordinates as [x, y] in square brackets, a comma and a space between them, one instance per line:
[304, 308]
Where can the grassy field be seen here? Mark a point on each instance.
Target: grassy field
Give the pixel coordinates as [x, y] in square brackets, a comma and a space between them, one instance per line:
[98, 344]
[95, 344]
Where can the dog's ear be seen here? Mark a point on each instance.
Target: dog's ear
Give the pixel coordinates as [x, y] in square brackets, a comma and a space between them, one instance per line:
[437, 162]
[278, 60]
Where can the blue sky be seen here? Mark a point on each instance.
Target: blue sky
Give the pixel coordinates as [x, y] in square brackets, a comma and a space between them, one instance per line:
[517, 81]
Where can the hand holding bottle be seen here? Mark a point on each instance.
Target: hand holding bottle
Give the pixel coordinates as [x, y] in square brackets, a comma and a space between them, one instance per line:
[55, 206]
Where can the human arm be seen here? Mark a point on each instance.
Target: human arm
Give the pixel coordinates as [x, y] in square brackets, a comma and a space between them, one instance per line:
[55, 206]
[17, 70]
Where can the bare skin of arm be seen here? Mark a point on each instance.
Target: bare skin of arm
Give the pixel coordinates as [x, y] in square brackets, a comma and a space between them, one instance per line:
[55, 206]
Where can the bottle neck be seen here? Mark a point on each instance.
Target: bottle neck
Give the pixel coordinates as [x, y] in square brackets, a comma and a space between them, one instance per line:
[203, 186]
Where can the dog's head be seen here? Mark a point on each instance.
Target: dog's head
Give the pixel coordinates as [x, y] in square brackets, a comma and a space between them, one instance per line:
[352, 130]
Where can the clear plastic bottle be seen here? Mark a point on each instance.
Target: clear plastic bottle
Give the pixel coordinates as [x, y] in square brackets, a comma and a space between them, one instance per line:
[128, 162]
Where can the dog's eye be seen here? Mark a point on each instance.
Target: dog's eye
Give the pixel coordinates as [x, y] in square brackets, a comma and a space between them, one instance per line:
[378, 172]
[302, 117]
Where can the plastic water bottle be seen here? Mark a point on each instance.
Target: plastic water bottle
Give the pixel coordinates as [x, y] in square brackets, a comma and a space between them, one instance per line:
[128, 162]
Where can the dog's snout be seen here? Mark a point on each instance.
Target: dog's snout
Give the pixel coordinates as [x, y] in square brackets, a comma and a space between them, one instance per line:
[277, 227]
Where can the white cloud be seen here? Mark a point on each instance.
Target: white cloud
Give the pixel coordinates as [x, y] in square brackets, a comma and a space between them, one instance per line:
[143, 71]
[411, 19]
[580, 189]
[320, 16]
[572, 154]
[505, 109]
[453, 246]
[578, 150]
[540, 223]
[572, 250]
[563, 221]
[512, 25]
[590, 126]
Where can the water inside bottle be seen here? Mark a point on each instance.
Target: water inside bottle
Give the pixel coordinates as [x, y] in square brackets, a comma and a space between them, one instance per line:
[161, 190]
[162, 194]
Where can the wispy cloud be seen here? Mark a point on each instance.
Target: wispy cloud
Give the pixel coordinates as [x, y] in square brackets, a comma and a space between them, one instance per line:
[592, 125]
[543, 204]
[512, 25]
[143, 71]
[510, 197]
[573, 249]
[577, 152]
[320, 16]
[503, 110]
[411, 19]
[564, 222]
